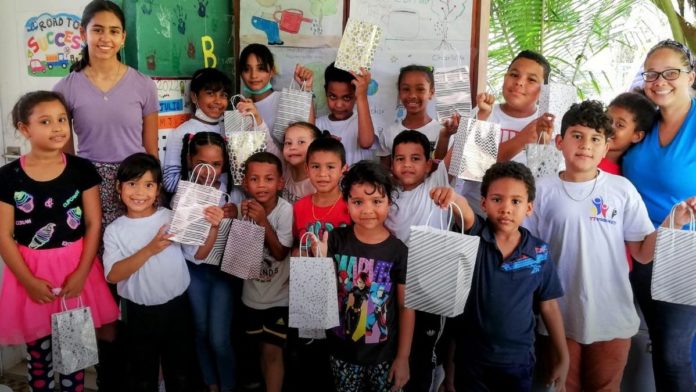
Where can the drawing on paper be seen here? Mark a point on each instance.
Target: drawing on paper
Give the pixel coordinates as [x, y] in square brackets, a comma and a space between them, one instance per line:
[53, 44]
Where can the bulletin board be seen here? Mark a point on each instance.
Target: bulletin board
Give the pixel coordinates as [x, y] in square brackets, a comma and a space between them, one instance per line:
[427, 32]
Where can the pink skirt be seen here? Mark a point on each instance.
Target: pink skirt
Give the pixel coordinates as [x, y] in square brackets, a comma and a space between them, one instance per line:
[23, 320]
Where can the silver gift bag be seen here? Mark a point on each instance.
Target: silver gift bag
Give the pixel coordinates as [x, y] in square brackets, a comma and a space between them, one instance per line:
[475, 149]
[674, 270]
[294, 105]
[73, 339]
[244, 138]
[452, 92]
[358, 45]
[313, 293]
[440, 268]
[243, 255]
[556, 98]
[543, 159]
[188, 223]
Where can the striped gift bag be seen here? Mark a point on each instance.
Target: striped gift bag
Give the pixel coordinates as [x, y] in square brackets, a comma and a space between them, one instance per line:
[243, 254]
[674, 270]
[452, 92]
[439, 270]
[294, 104]
[188, 223]
[475, 149]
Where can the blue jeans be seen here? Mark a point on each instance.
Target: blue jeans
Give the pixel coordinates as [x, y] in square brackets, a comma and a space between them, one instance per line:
[671, 329]
[212, 300]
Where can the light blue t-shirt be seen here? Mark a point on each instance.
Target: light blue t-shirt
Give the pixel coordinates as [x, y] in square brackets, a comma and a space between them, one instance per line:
[666, 175]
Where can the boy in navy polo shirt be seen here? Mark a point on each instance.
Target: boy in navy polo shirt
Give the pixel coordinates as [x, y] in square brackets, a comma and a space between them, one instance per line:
[514, 279]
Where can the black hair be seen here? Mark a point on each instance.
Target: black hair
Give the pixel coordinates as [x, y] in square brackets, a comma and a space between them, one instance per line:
[210, 79]
[316, 132]
[682, 50]
[537, 58]
[265, 157]
[369, 172]
[191, 143]
[643, 110]
[427, 70]
[91, 9]
[412, 136]
[25, 105]
[262, 53]
[136, 165]
[327, 144]
[589, 113]
[333, 74]
[509, 169]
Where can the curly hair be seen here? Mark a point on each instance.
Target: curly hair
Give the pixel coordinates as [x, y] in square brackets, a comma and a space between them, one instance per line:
[509, 169]
[642, 109]
[369, 172]
[589, 114]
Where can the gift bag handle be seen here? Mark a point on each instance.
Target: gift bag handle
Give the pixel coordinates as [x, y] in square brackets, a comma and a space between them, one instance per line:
[234, 105]
[200, 167]
[692, 222]
[64, 304]
[304, 239]
[450, 210]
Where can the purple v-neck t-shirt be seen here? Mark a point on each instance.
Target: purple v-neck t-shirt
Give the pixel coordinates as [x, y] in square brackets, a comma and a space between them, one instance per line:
[109, 126]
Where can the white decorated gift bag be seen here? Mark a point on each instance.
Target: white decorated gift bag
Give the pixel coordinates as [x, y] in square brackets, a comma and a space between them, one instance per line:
[674, 269]
[556, 98]
[475, 149]
[294, 105]
[313, 293]
[244, 138]
[73, 339]
[358, 45]
[440, 268]
[243, 255]
[452, 92]
[543, 159]
[188, 223]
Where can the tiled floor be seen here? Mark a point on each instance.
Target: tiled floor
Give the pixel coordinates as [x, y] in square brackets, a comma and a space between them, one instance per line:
[15, 378]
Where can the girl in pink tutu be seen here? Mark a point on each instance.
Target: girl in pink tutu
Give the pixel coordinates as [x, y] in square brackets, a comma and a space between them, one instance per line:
[50, 220]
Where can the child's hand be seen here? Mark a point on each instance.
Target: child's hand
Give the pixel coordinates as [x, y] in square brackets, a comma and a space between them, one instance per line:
[539, 130]
[304, 75]
[254, 210]
[213, 214]
[450, 125]
[160, 242]
[319, 247]
[484, 103]
[40, 291]
[559, 373]
[443, 196]
[246, 105]
[682, 216]
[73, 285]
[361, 82]
[398, 374]
[230, 210]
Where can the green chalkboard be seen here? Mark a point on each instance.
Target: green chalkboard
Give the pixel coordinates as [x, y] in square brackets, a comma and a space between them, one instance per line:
[173, 38]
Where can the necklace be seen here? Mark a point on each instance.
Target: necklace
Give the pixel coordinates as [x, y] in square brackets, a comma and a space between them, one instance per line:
[109, 82]
[594, 184]
[314, 215]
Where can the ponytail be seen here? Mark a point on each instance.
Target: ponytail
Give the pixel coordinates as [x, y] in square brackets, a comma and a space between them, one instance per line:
[90, 10]
[190, 144]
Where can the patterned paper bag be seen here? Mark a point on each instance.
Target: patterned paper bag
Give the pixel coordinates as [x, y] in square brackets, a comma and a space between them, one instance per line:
[475, 149]
[440, 268]
[188, 224]
[73, 339]
[543, 159]
[293, 105]
[674, 270]
[556, 98]
[358, 45]
[243, 255]
[242, 141]
[313, 293]
[452, 92]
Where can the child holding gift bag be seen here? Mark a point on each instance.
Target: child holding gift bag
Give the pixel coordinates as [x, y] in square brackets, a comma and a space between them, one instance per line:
[211, 291]
[370, 349]
[50, 221]
[266, 299]
[151, 277]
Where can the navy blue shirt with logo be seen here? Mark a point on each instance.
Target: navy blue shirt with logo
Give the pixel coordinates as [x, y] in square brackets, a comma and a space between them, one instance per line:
[497, 326]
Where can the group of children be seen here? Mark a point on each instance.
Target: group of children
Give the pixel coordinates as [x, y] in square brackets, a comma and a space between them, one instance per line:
[555, 248]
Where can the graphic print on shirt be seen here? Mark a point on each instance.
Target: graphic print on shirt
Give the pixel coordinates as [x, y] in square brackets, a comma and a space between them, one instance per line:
[269, 267]
[42, 236]
[74, 217]
[48, 203]
[363, 297]
[600, 211]
[526, 262]
[24, 201]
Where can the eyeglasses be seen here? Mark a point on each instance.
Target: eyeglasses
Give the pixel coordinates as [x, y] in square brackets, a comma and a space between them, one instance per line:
[668, 74]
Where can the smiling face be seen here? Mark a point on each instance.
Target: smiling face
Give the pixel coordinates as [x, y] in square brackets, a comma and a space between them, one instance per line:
[139, 195]
[410, 166]
[48, 126]
[522, 84]
[666, 93]
[212, 103]
[212, 155]
[263, 181]
[625, 133]
[104, 35]
[324, 170]
[415, 91]
[583, 148]
[367, 206]
[295, 143]
[256, 74]
[506, 204]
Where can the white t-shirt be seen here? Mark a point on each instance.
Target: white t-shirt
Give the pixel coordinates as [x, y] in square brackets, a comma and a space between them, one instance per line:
[586, 239]
[164, 276]
[347, 130]
[413, 207]
[386, 137]
[268, 107]
[273, 288]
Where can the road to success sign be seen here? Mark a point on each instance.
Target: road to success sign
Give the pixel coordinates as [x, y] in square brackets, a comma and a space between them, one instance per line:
[53, 43]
